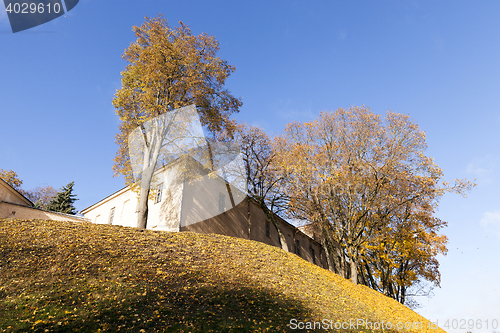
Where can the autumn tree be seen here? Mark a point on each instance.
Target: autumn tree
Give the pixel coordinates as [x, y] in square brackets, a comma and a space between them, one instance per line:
[41, 196]
[64, 200]
[401, 255]
[264, 179]
[351, 173]
[168, 69]
[11, 178]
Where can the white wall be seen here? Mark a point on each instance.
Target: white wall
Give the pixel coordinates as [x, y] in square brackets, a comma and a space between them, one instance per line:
[8, 194]
[124, 203]
[183, 201]
[163, 215]
[205, 198]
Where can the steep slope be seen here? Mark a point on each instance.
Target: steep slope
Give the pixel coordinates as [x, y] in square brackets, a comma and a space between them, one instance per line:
[65, 276]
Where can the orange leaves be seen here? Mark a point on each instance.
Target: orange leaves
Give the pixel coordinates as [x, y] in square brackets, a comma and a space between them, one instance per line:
[364, 181]
[168, 69]
[144, 281]
[11, 178]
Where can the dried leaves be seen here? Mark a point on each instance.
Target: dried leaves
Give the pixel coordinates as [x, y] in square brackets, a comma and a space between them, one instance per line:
[363, 182]
[63, 276]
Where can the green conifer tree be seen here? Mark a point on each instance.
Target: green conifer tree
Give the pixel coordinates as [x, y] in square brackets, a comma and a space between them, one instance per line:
[63, 201]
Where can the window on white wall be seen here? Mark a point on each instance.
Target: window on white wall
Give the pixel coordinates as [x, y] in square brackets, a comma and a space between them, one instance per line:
[111, 215]
[97, 218]
[159, 192]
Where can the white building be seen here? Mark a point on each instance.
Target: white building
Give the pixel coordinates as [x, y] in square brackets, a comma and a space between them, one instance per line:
[204, 204]
[176, 201]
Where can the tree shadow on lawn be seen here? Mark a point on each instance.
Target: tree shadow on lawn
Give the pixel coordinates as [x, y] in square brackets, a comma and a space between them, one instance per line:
[200, 310]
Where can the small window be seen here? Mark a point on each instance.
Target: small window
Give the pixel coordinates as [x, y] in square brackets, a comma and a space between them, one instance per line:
[222, 202]
[111, 215]
[313, 254]
[97, 218]
[268, 229]
[159, 192]
[297, 247]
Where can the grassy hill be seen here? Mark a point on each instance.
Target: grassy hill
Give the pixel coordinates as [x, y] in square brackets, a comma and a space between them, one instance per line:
[64, 276]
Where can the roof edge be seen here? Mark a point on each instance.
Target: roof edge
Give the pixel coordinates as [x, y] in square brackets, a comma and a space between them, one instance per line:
[17, 193]
[102, 201]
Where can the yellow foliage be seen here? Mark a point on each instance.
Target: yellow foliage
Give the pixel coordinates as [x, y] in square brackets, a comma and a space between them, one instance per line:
[74, 276]
[167, 69]
[363, 181]
[11, 178]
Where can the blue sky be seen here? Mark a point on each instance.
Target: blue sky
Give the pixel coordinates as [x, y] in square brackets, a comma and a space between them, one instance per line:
[437, 62]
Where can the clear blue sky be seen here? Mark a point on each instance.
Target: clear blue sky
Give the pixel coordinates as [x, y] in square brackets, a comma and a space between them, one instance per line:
[437, 62]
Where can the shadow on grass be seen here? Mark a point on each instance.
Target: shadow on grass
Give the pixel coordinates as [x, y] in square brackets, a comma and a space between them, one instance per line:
[64, 277]
[161, 310]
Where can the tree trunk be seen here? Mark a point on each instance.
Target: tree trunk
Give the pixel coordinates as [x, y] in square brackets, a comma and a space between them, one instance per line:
[142, 209]
[153, 143]
[282, 238]
[385, 281]
[354, 270]
[249, 220]
[386, 274]
[391, 291]
[374, 285]
[339, 259]
[342, 261]
[403, 295]
[329, 261]
[328, 244]
[361, 275]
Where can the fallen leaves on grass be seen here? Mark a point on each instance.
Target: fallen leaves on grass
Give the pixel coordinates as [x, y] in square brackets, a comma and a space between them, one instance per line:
[64, 276]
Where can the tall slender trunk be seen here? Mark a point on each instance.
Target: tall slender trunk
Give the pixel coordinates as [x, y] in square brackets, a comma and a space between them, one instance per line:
[341, 256]
[339, 259]
[391, 291]
[150, 159]
[354, 270]
[337, 252]
[329, 261]
[361, 274]
[153, 142]
[385, 280]
[142, 209]
[403, 295]
[374, 285]
[281, 235]
[249, 220]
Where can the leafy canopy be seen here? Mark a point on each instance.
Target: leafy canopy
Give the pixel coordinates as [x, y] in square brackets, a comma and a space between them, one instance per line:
[41, 196]
[369, 190]
[168, 69]
[11, 178]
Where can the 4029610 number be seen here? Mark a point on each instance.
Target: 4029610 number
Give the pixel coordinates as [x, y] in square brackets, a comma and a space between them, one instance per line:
[32, 8]
[470, 324]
